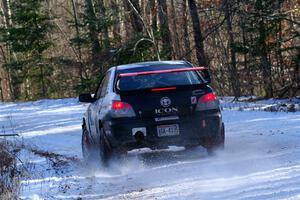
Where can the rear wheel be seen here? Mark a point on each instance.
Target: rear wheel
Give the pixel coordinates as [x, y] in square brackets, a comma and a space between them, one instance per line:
[216, 143]
[86, 145]
[105, 148]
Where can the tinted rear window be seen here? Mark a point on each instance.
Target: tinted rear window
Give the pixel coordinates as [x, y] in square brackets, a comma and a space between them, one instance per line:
[158, 80]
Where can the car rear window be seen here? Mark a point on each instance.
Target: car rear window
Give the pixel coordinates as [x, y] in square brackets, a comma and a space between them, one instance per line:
[130, 83]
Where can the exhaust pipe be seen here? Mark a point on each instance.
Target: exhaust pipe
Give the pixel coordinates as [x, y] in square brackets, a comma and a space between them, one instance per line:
[139, 136]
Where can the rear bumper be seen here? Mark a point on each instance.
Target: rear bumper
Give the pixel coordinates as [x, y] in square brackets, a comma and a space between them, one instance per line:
[193, 129]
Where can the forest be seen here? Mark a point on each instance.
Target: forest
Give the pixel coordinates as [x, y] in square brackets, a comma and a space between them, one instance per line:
[60, 48]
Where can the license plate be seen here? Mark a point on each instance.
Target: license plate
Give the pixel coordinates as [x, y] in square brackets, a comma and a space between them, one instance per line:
[168, 130]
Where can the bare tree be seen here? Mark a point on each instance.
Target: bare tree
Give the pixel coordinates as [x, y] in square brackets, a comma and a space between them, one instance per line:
[134, 14]
[164, 29]
[198, 38]
[186, 37]
[177, 49]
[149, 31]
[93, 35]
[6, 82]
[75, 15]
[153, 8]
[235, 83]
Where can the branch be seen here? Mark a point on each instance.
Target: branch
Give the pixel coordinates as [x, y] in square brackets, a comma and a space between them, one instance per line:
[148, 30]
[206, 35]
[139, 41]
[3, 54]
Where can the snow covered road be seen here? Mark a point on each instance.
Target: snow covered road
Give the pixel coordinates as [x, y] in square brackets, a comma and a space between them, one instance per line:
[261, 159]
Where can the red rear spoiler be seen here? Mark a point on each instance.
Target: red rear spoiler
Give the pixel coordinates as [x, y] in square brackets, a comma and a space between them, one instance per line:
[162, 71]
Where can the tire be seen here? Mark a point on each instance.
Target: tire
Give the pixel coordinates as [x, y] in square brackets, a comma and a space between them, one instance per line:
[105, 148]
[86, 146]
[217, 143]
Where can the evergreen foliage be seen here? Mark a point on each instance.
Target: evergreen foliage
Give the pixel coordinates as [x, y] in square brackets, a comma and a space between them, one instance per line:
[27, 37]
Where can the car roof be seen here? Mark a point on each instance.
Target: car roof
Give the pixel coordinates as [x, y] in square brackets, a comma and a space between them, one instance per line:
[150, 64]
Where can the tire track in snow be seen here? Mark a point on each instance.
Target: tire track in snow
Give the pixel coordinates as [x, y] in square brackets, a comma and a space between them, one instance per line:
[262, 185]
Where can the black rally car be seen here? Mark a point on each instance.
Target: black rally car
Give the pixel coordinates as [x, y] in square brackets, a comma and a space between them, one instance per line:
[151, 104]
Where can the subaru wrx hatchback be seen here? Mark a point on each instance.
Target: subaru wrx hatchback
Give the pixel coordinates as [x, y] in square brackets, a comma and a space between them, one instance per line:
[154, 105]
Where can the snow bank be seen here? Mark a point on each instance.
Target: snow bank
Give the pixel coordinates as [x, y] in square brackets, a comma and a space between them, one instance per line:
[270, 105]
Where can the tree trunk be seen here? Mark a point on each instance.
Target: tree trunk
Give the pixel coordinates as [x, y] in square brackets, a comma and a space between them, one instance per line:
[102, 13]
[1, 90]
[247, 69]
[264, 61]
[164, 29]
[136, 23]
[127, 26]
[7, 12]
[280, 61]
[234, 77]
[153, 15]
[198, 38]
[296, 78]
[186, 37]
[93, 35]
[78, 44]
[7, 88]
[177, 49]
[42, 76]
[116, 28]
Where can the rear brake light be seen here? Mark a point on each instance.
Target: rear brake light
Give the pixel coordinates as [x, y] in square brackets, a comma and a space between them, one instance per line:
[208, 97]
[163, 89]
[119, 105]
[121, 109]
[208, 102]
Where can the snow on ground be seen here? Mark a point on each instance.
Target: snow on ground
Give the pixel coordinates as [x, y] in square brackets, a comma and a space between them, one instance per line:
[250, 103]
[261, 159]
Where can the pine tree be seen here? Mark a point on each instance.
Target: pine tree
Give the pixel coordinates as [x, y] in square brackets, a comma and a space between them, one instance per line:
[28, 41]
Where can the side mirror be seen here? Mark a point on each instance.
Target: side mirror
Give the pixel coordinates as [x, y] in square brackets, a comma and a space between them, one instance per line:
[206, 75]
[86, 98]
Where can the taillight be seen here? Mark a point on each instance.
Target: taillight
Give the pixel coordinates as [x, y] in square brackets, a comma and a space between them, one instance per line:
[119, 105]
[208, 102]
[208, 97]
[121, 109]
